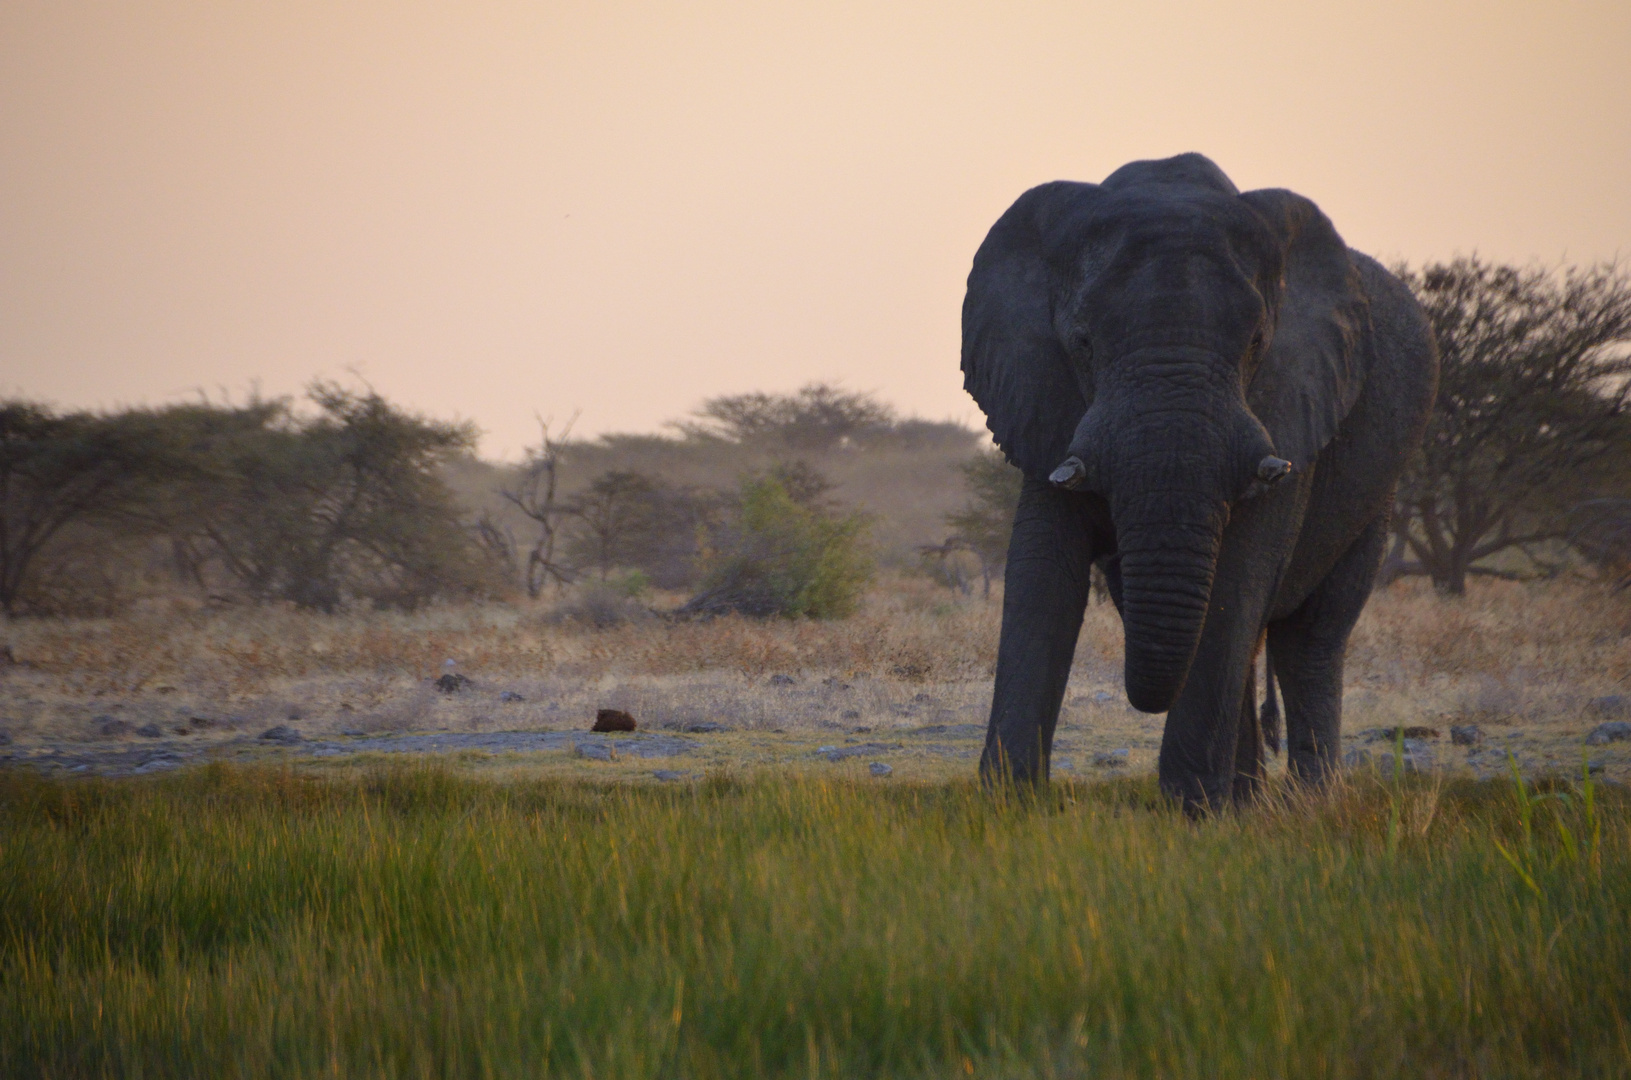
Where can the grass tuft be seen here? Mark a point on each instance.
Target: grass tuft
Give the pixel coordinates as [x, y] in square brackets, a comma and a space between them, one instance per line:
[413, 921]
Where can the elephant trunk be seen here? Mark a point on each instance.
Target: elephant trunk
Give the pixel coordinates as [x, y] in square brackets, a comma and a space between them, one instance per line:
[1168, 554]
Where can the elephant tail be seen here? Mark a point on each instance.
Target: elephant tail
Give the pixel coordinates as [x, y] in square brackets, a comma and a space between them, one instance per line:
[1269, 719]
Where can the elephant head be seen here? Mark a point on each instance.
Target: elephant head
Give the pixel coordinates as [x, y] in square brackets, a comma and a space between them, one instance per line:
[1174, 347]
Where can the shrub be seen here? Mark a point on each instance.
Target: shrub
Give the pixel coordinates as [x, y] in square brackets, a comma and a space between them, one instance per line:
[780, 557]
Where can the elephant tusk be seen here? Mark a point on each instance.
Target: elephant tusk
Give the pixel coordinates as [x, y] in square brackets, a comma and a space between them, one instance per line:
[1070, 474]
[1272, 469]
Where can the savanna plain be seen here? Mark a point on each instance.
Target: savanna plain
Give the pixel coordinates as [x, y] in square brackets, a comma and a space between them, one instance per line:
[789, 869]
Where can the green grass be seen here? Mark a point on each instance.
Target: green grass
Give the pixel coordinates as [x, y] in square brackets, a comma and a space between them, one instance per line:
[416, 923]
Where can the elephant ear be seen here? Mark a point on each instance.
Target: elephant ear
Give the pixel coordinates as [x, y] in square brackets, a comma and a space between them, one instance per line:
[1314, 368]
[1014, 365]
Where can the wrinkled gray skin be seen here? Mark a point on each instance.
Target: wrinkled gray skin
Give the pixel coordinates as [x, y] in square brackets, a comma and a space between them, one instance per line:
[1224, 396]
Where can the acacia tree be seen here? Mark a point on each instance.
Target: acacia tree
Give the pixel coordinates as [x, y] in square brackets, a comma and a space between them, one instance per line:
[1532, 413]
[60, 469]
[347, 505]
[818, 417]
[986, 519]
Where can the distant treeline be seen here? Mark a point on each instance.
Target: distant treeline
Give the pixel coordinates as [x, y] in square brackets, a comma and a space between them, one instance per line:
[351, 500]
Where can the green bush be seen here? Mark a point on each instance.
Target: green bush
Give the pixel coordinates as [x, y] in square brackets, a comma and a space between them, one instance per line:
[779, 556]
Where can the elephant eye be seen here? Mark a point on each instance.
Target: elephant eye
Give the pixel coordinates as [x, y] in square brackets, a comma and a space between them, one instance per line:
[1257, 341]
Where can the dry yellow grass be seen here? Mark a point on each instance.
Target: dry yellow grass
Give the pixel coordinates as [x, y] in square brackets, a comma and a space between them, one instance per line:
[1523, 660]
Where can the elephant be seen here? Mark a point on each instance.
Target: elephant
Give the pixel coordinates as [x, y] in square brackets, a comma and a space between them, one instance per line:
[1211, 398]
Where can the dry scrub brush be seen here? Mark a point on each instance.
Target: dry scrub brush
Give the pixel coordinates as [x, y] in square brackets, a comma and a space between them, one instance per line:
[1503, 633]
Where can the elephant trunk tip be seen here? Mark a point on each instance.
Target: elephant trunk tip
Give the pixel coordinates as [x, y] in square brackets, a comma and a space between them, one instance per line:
[1150, 699]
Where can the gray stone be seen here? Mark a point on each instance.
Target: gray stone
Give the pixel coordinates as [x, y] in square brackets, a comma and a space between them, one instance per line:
[1466, 735]
[283, 734]
[500, 742]
[951, 731]
[878, 768]
[110, 728]
[159, 763]
[704, 727]
[850, 714]
[1356, 758]
[1595, 768]
[1610, 705]
[1416, 758]
[1063, 763]
[150, 731]
[510, 696]
[670, 774]
[1111, 759]
[451, 683]
[1613, 731]
[5, 737]
[839, 753]
[595, 752]
[782, 680]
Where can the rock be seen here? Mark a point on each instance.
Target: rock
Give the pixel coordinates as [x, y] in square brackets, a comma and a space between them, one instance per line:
[1356, 759]
[1388, 734]
[1111, 759]
[878, 768]
[670, 774]
[704, 727]
[1466, 735]
[453, 682]
[595, 752]
[510, 696]
[839, 753]
[832, 683]
[283, 734]
[150, 731]
[1610, 705]
[850, 714]
[1104, 697]
[782, 680]
[1064, 764]
[294, 714]
[613, 720]
[922, 699]
[5, 737]
[1595, 768]
[1613, 731]
[1417, 758]
[109, 728]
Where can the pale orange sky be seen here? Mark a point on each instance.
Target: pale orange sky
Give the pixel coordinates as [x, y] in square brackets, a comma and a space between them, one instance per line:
[492, 210]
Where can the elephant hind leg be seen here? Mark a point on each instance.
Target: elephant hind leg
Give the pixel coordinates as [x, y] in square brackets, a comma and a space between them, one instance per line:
[1307, 649]
[1269, 718]
[1249, 765]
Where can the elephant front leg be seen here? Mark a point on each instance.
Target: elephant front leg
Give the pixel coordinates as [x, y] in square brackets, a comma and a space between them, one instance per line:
[1211, 748]
[1045, 592]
